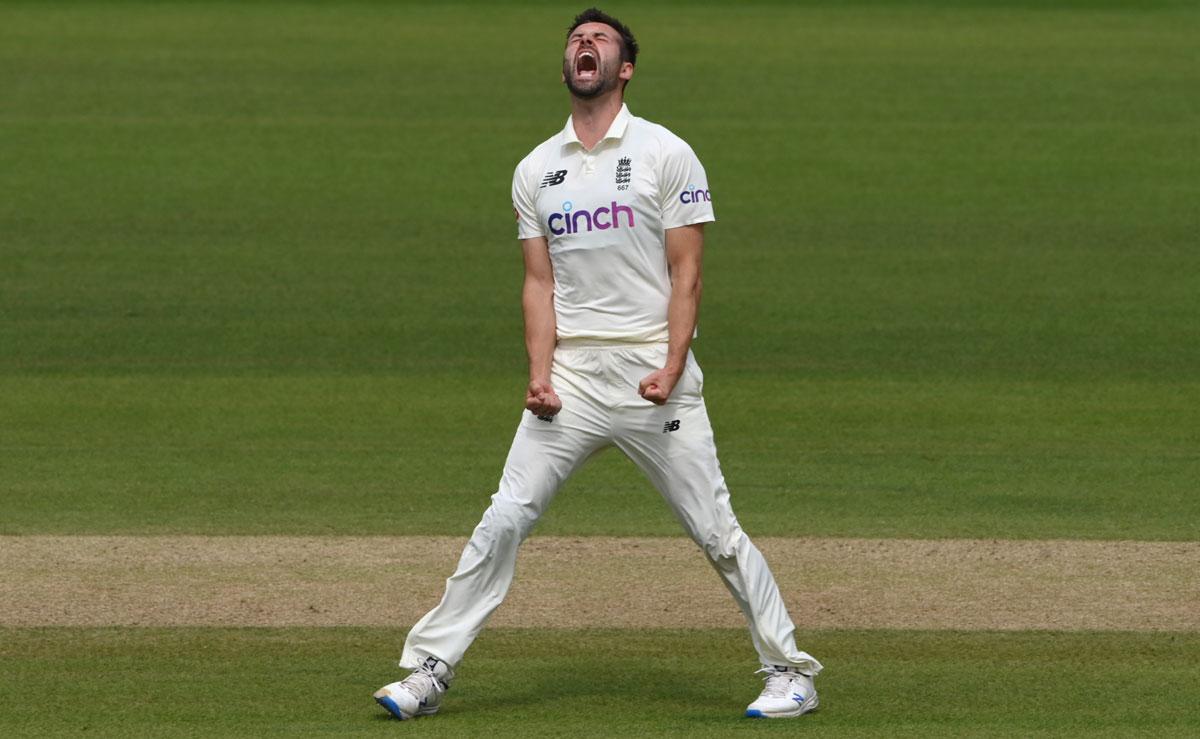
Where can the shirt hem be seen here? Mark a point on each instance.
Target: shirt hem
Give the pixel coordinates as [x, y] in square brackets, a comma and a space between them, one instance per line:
[594, 343]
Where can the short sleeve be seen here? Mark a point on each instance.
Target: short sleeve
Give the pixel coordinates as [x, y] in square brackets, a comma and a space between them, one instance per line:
[528, 224]
[684, 192]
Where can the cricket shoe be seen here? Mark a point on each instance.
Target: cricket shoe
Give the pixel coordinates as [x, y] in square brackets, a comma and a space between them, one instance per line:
[788, 693]
[419, 694]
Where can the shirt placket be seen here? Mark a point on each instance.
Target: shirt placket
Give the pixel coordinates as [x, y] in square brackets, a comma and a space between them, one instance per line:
[589, 161]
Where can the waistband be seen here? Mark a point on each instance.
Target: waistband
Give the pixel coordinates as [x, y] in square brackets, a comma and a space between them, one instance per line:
[608, 344]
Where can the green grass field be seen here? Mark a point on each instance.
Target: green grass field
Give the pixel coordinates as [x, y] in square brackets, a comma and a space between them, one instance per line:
[259, 682]
[258, 274]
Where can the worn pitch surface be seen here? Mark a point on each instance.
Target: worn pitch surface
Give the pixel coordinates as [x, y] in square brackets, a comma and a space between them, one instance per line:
[598, 582]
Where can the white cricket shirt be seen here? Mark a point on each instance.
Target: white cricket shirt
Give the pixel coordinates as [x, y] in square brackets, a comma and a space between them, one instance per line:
[604, 214]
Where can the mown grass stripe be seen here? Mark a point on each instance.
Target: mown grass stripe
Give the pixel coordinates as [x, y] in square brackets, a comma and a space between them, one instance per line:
[632, 682]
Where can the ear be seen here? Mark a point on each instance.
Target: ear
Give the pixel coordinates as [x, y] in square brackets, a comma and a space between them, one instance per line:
[626, 72]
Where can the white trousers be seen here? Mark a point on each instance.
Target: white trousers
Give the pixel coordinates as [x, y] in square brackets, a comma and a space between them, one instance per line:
[672, 444]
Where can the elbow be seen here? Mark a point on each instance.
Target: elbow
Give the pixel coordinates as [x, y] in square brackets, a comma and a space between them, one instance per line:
[685, 281]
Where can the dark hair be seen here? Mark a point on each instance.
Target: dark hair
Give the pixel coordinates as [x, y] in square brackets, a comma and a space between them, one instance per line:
[629, 45]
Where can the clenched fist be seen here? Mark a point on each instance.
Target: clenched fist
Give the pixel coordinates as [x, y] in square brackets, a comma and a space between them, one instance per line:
[541, 399]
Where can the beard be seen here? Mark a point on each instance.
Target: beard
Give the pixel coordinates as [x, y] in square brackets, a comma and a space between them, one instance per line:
[607, 78]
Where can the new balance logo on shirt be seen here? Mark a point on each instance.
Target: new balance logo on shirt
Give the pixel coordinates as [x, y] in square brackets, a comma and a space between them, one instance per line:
[670, 426]
[554, 178]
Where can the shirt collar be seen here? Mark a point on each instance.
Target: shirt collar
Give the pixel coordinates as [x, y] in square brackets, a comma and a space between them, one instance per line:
[616, 129]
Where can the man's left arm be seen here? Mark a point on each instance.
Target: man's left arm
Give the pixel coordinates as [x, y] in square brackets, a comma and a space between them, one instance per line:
[685, 250]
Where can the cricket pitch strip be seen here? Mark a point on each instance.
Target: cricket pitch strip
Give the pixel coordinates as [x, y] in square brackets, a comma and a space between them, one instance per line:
[598, 582]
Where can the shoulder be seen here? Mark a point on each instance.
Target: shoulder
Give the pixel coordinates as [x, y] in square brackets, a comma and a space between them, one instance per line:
[661, 138]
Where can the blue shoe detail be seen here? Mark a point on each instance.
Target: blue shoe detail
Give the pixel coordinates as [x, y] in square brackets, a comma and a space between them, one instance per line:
[797, 697]
[754, 713]
[391, 707]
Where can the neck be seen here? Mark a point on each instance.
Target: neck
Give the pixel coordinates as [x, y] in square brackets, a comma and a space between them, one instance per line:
[592, 116]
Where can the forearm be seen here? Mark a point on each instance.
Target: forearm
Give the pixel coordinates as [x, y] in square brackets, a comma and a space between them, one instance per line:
[682, 313]
[537, 302]
[685, 246]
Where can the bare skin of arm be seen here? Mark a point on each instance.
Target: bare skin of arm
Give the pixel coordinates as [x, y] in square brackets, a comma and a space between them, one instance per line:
[537, 303]
[685, 249]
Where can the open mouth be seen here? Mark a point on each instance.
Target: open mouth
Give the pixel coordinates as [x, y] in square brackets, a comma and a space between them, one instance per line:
[586, 65]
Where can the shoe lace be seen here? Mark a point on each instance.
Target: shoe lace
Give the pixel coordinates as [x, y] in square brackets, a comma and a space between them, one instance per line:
[422, 683]
[779, 684]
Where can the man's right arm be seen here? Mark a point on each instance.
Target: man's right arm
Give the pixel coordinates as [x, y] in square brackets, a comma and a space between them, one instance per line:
[537, 303]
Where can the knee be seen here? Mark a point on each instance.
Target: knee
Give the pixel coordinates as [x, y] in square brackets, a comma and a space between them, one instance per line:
[508, 519]
[723, 545]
